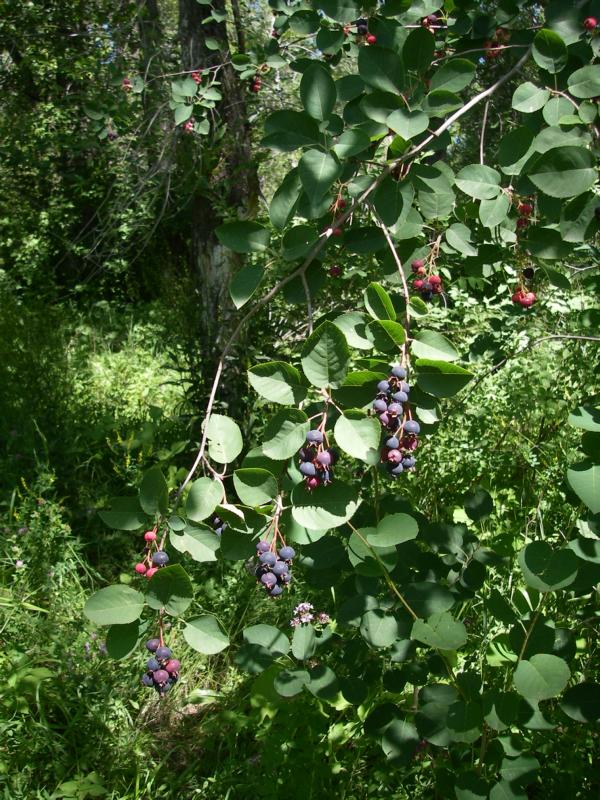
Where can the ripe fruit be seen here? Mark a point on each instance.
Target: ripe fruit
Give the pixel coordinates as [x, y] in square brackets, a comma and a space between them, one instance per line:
[152, 664]
[523, 298]
[371, 39]
[152, 645]
[336, 232]
[362, 27]
[335, 271]
[267, 559]
[314, 436]
[263, 546]
[161, 676]
[590, 23]
[410, 426]
[399, 372]
[525, 209]
[163, 652]
[173, 665]
[522, 222]
[287, 553]
[160, 558]
[273, 574]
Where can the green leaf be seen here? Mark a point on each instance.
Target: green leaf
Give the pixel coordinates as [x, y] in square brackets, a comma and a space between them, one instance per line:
[440, 378]
[224, 439]
[285, 200]
[470, 786]
[549, 51]
[325, 507]
[441, 102]
[170, 588]
[379, 629]
[381, 68]
[122, 640]
[205, 635]
[529, 98]
[514, 150]
[585, 417]
[563, 171]
[317, 91]
[394, 529]
[378, 302]
[407, 124]
[114, 605]
[204, 496]
[427, 598]
[298, 242]
[441, 631]
[555, 109]
[479, 181]
[201, 543]
[243, 237]
[353, 325]
[287, 130]
[585, 82]
[318, 172]
[269, 637]
[340, 10]
[494, 212]
[367, 559]
[432, 345]
[458, 237]
[393, 200]
[358, 435]
[547, 569]
[245, 282]
[325, 356]
[304, 642]
[125, 514]
[417, 51]
[182, 113]
[584, 479]
[520, 771]
[464, 721]
[290, 682]
[285, 434]
[453, 76]
[255, 487]
[541, 677]
[478, 504]
[582, 702]
[304, 22]
[323, 683]
[366, 239]
[503, 790]
[387, 336]
[350, 143]
[277, 382]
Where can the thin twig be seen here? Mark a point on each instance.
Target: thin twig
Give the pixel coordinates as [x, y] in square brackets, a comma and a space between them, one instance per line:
[309, 308]
[482, 137]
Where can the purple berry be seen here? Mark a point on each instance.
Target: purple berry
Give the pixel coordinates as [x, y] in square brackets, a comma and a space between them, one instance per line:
[160, 558]
[383, 387]
[392, 443]
[287, 553]
[308, 469]
[263, 546]
[286, 578]
[398, 372]
[324, 458]
[162, 653]
[276, 591]
[404, 387]
[152, 664]
[268, 579]
[395, 409]
[394, 456]
[380, 405]
[279, 568]
[307, 454]
[400, 397]
[268, 559]
[384, 419]
[147, 680]
[152, 645]
[410, 426]
[397, 469]
[161, 676]
[314, 436]
[409, 462]
[172, 665]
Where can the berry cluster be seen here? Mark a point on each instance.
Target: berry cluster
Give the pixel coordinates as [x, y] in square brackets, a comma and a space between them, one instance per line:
[127, 85]
[362, 31]
[427, 285]
[524, 209]
[197, 77]
[274, 568]
[316, 460]
[392, 408]
[523, 297]
[153, 559]
[162, 671]
[189, 126]
[256, 84]
[494, 47]
[430, 22]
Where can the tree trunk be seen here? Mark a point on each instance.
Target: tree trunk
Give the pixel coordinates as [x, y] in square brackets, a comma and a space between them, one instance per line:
[232, 176]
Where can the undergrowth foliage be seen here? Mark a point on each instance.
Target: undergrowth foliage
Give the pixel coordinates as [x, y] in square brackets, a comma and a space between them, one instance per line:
[419, 650]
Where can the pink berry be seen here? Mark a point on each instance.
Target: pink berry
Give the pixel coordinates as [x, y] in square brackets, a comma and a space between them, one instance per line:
[151, 572]
[336, 232]
[371, 39]
[172, 665]
[150, 536]
[312, 483]
[435, 280]
[140, 569]
[335, 271]
[590, 23]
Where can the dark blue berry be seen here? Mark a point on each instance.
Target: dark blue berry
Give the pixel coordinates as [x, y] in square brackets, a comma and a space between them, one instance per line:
[152, 664]
[279, 568]
[268, 559]
[160, 558]
[395, 409]
[268, 579]
[404, 387]
[380, 405]
[308, 469]
[408, 463]
[147, 680]
[411, 426]
[276, 591]
[383, 387]
[400, 397]
[314, 436]
[397, 469]
[162, 653]
[287, 553]
[161, 676]
[152, 644]
[263, 547]
[399, 372]
[393, 443]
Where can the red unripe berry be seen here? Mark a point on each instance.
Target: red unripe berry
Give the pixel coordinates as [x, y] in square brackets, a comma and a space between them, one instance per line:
[435, 280]
[371, 39]
[336, 232]
[140, 569]
[517, 296]
[528, 299]
[394, 456]
[255, 88]
[150, 536]
[417, 265]
[126, 84]
[418, 284]
[341, 203]
[335, 271]
[312, 483]
[522, 222]
[197, 76]
[151, 572]
[525, 209]
[173, 665]
[590, 23]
